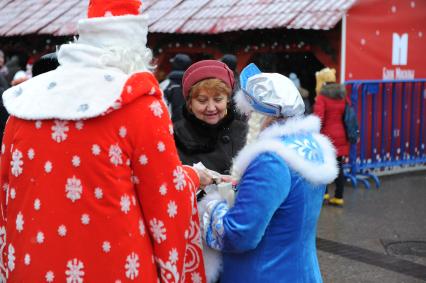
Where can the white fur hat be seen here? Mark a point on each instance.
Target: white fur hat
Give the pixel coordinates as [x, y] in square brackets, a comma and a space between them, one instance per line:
[113, 23]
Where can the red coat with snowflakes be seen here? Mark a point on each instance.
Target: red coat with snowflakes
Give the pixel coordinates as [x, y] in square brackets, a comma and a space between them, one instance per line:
[104, 199]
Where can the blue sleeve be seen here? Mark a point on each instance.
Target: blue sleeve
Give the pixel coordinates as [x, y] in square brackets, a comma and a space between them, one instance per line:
[262, 189]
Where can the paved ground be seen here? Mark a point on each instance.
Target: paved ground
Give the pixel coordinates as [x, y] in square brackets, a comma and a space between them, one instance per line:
[379, 235]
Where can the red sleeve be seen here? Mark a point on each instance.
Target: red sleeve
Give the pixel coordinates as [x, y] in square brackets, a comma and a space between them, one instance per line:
[166, 191]
[319, 108]
[4, 190]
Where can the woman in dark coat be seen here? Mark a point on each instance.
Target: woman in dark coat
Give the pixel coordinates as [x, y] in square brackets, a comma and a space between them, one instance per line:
[330, 108]
[208, 132]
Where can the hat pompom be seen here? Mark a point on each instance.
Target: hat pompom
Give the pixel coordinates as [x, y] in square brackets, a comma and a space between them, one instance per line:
[108, 8]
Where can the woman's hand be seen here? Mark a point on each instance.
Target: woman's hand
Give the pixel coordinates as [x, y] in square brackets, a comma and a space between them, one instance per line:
[205, 178]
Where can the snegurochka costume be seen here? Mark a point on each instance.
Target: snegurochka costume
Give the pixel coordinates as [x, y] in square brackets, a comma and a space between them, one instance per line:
[268, 234]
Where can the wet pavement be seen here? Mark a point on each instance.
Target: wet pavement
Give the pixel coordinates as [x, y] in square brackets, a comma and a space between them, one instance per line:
[379, 235]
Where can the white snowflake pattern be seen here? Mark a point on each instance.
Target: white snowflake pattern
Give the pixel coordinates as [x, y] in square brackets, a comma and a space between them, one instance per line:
[73, 189]
[129, 89]
[75, 271]
[173, 256]
[115, 155]
[40, 237]
[99, 193]
[196, 277]
[307, 149]
[16, 163]
[38, 124]
[59, 131]
[134, 179]
[3, 148]
[79, 125]
[37, 204]
[158, 230]
[75, 161]
[12, 193]
[50, 276]
[48, 167]
[19, 222]
[163, 189]
[172, 209]
[152, 91]
[179, 178]
[85, 219]
[161, 147]
[143, 159]
[141, 227]
[156, 109]
[132, 266]
[106, 247]
[96, 150]
[31, 154]
[125, 203]
[27, 259]
[11, 257]
[116, 105]
[62, 231]
[122, 132]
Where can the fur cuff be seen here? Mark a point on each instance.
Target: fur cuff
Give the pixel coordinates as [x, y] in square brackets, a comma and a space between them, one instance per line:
[212, 258]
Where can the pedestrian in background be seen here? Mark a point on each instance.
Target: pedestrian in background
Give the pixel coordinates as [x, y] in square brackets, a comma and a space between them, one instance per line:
[330, 108]
[92, 186]
[173, 90]
[209, 132]
[4, 85]
[44, 64]
[303, 92]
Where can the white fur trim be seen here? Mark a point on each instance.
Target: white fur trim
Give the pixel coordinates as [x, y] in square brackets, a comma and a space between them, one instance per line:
[92, 72]
[291, 126]
[212, 263]
[106, 32]
[66, 93]
[243, 106]
[81, 88]
[269, 141]
[212, 258]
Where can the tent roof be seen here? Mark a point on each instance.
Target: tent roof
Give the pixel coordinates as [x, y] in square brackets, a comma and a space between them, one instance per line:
[59, 17]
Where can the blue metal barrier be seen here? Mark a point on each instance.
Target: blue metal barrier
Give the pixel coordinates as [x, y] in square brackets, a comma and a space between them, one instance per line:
[392, 120]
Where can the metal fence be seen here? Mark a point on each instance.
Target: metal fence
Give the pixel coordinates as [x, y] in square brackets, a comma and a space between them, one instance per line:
[392, 120]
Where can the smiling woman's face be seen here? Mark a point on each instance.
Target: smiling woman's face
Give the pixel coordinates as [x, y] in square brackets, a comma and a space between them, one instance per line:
[209, 100]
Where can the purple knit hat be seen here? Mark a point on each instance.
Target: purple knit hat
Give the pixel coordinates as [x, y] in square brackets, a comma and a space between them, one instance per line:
[206, 69]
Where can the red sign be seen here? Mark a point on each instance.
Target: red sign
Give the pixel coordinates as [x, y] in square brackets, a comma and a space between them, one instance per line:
[386, 40]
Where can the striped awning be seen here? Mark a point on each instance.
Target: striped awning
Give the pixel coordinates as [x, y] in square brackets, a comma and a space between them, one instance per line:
[59, 17]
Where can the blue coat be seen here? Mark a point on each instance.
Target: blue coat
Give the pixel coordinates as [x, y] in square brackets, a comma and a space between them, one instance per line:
[269, 234]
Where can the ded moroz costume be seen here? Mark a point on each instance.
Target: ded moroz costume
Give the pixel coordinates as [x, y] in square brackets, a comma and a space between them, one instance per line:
[92, 186]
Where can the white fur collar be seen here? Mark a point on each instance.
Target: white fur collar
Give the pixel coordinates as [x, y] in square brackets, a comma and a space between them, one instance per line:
[269, 141]
[82, 87]
[308, 124]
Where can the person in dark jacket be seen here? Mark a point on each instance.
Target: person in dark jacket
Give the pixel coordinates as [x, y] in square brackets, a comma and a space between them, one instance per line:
[231, 61]
[46, 63]
[173, 91]
[209, 132]
[330, 108]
